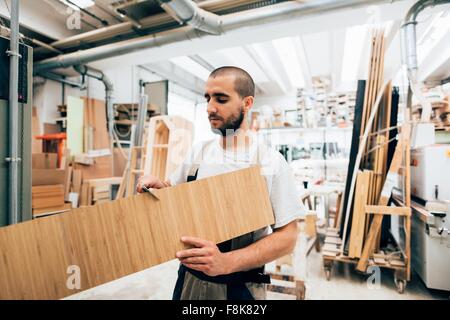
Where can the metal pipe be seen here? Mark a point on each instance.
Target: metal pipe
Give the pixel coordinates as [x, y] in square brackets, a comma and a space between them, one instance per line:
[282, 11]
[187, 12]
[14, 158]
[151, 21]
[409, 51]
[60, 79]
[46, 46]
[142, 117]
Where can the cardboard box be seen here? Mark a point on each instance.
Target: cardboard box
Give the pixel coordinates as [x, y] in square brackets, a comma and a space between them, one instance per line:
[44, 161]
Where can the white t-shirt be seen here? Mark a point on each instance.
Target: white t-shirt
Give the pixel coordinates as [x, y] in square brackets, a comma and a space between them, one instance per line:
[284, 196]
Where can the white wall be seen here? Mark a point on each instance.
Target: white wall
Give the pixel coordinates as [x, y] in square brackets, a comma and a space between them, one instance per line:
[287, 101]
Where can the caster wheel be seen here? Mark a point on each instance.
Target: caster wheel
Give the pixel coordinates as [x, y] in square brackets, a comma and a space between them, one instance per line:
[401, 285]
[328, 274]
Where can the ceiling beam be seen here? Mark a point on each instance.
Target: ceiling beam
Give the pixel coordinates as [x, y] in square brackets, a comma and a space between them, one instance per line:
[171, 72]
[261, 65]
[255, 34]
[303, 60]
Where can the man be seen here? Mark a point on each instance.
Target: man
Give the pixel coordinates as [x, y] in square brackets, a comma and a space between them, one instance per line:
[234, 269]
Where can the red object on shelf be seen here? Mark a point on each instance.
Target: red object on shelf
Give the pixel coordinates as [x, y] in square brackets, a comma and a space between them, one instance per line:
[59, 138]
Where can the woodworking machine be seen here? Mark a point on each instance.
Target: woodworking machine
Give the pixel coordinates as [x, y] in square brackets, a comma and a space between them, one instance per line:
[430, 234]
[430, 243]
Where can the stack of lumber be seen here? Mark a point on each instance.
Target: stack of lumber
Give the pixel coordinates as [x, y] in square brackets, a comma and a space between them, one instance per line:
[95, 191]
[360, 233]
[440, 114]
[48, 185]
[48, 199]
[118, 238]
[47, 196]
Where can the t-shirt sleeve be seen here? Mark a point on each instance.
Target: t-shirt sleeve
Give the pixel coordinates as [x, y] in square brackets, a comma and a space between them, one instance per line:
[284, 196]
[181, 172]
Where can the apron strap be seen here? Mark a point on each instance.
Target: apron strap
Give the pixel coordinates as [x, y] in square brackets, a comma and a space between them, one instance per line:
[235, 282]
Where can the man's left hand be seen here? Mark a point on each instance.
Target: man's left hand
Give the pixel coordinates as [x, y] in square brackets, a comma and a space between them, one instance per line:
[205, 257]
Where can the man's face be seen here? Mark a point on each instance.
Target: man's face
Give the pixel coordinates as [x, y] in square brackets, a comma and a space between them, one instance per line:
[225, 106]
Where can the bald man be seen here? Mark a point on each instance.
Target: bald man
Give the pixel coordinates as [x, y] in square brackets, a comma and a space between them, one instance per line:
[234, 269]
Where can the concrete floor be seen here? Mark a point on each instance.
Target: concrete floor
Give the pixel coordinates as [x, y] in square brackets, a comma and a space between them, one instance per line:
[345, 284]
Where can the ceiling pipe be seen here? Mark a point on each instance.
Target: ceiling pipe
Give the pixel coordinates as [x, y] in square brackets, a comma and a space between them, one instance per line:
[409, 50]
[151, 21]
[109, 90]
[187, 12]
[260, 16]
[61, 79]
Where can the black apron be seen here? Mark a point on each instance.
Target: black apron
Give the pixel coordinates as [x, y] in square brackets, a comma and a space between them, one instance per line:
[235, 282]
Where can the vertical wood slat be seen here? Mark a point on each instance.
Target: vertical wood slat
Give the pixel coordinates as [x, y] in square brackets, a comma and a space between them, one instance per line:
[375, 226]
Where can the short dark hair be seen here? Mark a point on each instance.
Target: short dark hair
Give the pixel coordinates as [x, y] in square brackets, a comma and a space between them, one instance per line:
[243, 84]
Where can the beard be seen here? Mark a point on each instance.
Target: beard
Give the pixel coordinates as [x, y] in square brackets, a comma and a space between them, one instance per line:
[231, 125]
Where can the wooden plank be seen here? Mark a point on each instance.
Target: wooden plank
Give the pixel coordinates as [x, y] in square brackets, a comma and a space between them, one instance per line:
[96, 119]
[103, 181]
[399, 211]
[100, 169]
[51, 210]
[356, 132]
[118, 238]
[379, 261]
[44, 161]
[333, 240]
[36, 145]
[384, 198]
[331, 247]
[131, 183]
[84, 195]
[40, 177]
[407, 167]
[359, 216]
[68, 182]
[47, 196]
[77, 180]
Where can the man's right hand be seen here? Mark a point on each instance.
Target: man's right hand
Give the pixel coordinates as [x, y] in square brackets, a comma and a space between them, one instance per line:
[151, 182]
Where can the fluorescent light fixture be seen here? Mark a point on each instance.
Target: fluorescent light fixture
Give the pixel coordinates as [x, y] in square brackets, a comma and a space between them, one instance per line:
[354, 42]
[81, 3]
[192, 67]
[286, 50]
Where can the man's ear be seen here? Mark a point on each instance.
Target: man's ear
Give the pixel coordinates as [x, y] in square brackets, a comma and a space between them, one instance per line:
[248, 103]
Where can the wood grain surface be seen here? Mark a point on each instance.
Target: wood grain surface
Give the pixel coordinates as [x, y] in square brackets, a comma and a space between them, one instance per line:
[118, 238]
